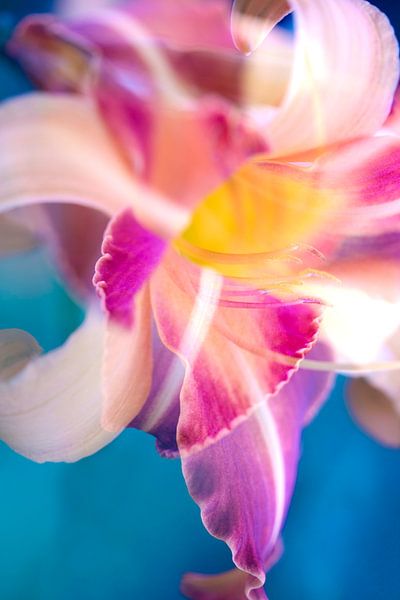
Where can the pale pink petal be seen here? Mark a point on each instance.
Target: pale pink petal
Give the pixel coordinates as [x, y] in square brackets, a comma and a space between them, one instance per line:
[55, 149]
[58, 150]
[345, 70]
[51, 410]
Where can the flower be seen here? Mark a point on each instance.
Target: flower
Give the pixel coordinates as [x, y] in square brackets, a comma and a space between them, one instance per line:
[226, 179]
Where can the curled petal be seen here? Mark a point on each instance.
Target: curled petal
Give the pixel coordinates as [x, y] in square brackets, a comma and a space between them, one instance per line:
[65, 405]
[330, 36]
[51, 410]
[253, 20]
[243, 484]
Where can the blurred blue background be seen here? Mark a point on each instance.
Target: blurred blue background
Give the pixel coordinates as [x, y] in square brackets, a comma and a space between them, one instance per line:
[120, 525]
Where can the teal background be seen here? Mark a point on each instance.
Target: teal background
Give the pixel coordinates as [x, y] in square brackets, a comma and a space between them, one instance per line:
[120, 525]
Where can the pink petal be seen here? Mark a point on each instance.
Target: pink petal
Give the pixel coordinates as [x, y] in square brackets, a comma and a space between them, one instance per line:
[243, 484]
[234, 358]
[345, 70]
[55, 149]
[130, 254]
[137, 83]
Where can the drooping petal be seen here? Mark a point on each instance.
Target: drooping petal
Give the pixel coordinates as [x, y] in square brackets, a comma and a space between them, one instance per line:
[243, 484]
[333, 93]
[234, 357]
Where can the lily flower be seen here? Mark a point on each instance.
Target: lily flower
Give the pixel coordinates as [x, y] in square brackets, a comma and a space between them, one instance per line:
[225, 179]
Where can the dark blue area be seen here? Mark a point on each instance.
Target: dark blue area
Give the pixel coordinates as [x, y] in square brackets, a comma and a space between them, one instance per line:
[120, 525]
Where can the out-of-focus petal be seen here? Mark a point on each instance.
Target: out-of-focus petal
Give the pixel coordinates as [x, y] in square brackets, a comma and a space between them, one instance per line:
[51, 410]
[74, 234]
[143, 97]
[234, 357]
[243, 483]
[14, 237]
[17, 348]
[375, 412]
[366, 174]
[57, 149]
[393, 121]
[362, 309]
[72, 8]
[330, 38]
[253, 20]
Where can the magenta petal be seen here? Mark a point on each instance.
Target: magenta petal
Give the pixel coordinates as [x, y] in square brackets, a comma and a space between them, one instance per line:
[130, 254]
[243, 483]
